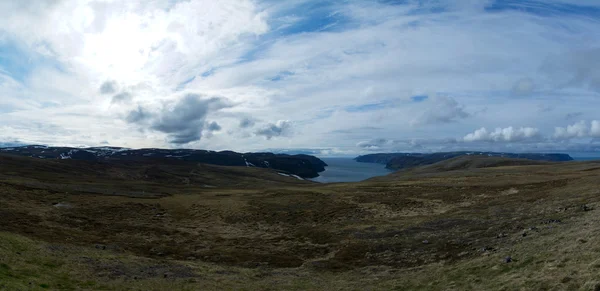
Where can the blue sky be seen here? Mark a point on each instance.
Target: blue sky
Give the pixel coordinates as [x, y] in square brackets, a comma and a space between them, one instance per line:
[336, 77]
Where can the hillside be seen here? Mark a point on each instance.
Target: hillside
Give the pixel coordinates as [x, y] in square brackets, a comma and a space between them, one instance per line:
[473, 162]
[304, 166]
[69, 224]
[151, 178]
[397, 161]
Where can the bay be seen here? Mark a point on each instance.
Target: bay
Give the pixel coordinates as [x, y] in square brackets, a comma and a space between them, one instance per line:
[349, 170]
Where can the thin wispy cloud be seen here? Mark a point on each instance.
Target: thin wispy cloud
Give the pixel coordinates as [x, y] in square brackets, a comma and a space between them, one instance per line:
[423, 75]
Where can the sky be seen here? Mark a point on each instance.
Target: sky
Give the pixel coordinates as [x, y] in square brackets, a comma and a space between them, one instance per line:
[323, 77]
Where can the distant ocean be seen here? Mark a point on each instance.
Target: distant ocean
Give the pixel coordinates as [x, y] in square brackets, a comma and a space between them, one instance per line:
[348, 170]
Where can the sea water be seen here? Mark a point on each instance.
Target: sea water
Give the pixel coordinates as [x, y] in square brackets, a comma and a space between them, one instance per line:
[349, 170]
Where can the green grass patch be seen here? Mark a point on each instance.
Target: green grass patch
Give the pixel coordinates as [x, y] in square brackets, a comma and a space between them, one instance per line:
[4, 270]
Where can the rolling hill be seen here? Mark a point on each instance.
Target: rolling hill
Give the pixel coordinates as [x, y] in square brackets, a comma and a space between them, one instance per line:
[468, 223]
[397, 161]
[304, 166]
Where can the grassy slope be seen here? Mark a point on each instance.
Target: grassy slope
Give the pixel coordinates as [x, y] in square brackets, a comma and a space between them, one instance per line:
[303, 236]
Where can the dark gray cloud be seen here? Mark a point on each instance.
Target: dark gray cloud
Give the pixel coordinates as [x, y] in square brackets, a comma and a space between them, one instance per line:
[213, 126]
[375, 144]
[182, 120]
[123, 97]
[108, 87]
[270, 130]
[138, 115]
[247, 122]
[441, 110]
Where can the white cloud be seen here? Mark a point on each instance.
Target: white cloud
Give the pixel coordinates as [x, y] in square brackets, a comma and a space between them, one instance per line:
[595, 130]
[508, 134]
[90, 63]
[577, 130]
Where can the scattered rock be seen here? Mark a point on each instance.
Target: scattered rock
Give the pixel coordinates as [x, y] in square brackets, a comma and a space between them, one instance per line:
[501, 235]
[533, 228]
[551, 221]
[586, 208]
[581, 240]
[508, 259]
[524, 234]
[425, 242]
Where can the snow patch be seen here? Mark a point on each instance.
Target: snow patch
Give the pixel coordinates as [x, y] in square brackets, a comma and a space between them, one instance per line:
[66, 156]
[291, 175]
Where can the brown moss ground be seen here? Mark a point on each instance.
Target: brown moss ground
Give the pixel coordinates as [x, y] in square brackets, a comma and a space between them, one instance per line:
[431, 230]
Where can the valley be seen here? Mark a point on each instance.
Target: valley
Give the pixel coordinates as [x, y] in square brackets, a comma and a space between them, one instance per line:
[468, 223]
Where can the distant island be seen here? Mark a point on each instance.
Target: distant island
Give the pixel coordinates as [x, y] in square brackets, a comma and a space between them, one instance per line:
[304, 166]
[398, 161]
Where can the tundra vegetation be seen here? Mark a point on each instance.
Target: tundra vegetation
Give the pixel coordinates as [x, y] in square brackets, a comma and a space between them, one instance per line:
[468, 223]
